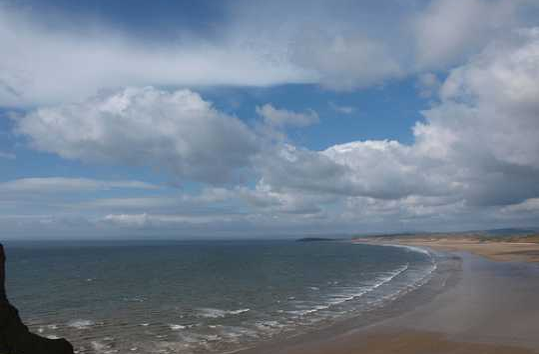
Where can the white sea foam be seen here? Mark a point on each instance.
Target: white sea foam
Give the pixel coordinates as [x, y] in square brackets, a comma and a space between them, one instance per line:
[102, 348]
[410, 248]
[269, 325]
[80, 324]
[237, 312]
[351, 293]
[417, 250]
[235, 332]
[98, 346]
[176, 327]
[309, 310]
[339, 299]
[218, 313]
[419, 281]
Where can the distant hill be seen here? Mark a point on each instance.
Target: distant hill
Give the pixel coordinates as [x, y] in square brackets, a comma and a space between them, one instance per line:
[511, 231]
[402, 234]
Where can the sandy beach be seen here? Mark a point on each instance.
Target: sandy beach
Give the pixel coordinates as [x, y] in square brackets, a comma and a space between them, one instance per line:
[509, 249]
[482, 306]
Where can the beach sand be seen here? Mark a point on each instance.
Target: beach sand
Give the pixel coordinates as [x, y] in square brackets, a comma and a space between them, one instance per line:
[497, 251]
[489, 307]
[518, 250]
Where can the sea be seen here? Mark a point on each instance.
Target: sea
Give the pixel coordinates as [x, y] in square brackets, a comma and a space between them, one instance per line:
[202, 296]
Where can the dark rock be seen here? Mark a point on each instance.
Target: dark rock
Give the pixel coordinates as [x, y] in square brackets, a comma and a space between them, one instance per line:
[15, 338]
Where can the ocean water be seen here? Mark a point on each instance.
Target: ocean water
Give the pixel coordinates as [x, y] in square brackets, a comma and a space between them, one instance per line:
[201, 297]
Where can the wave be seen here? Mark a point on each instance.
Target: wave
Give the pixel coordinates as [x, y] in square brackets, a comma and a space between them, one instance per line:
[80, 324]
[176, 327]
[269, 325]
[218, 313]
[309, 311]
[169, 327]
[338, 299]
[99, 347]
[418, 250]
[134, 299]
[410, 248]
[378, 282]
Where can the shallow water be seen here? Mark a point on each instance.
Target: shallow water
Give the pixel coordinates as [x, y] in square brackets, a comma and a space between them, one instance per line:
[198, 297]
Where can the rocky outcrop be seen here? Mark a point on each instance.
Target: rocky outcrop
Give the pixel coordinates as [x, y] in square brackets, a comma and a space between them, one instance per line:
[15, 338]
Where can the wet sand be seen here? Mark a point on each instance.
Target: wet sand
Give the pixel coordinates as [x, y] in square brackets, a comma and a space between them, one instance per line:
[489, 307]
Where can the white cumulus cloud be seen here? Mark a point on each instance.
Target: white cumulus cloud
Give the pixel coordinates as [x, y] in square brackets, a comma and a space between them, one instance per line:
[176, 131]
[64, 184]
[40, 65]
[448, 31]
[479, 142]
[282, 117]
[340, 45]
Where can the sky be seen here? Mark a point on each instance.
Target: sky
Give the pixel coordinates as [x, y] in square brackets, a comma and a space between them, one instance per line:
[256, 119]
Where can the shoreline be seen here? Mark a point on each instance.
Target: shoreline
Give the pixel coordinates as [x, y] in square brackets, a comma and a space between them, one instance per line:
[445, 274]
[457, 315]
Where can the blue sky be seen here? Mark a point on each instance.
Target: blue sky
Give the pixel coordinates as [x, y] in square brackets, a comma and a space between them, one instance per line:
[254, 119]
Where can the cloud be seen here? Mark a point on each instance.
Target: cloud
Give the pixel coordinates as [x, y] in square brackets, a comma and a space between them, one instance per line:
[409, 210]
[175, 131]
[129, 203]
[477, 145]
[281, 117]
[486, 122]
[136, 220]
[377, 169]
[347, 62]
[474, 159]
[528, 206]
[353, 45]
[209, 201]
[63, 184]
[342, 46]
[27, 200]
[40, 65]
[159, 220]
[342, 109]
[448, 31]
[479, 142]
[7, 155]
[428, 85]
[264, 200]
